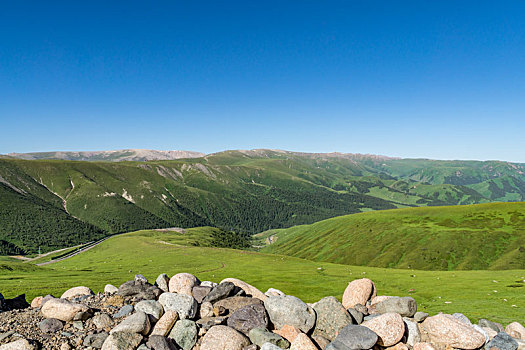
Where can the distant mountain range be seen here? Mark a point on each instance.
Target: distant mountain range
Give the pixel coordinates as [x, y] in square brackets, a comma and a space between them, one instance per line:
[55, 203]
[110, 156]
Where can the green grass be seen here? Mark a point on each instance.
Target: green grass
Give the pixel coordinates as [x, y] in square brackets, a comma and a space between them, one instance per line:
[470, 237]
[121, 257]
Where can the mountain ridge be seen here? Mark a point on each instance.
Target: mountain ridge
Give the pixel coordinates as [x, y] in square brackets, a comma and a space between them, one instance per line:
[244, 191]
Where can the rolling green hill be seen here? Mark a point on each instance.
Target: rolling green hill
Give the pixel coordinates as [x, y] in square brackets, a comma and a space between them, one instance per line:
[241, 191]
[496, 295]
[485, 236]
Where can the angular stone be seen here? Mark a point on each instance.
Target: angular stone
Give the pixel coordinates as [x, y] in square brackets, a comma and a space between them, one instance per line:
[223, 338]
[136, 323]
[516, 330]
[358, 292]
[141, 278]
[502, 341]
[184, 333]
[121, 341]
[208, 322]
[448, 330]
[185, 305]
[165, 323]
[405, 306]
[50, 325]
[200, 292]
[389, 327]
[248, 317]
[302, 342]
[62, 309]
[493, 325]
[124, 311]
[413, 335]
[354, 337]
[260, 336]
[150, 307]
[420, 316]
[95, 341]
[222, 291]
[357, 316]
[102, 321]
[331, 317]
[291, 311]
[158, 342]
[233, 303]
[248, 288]
[139, 289]
[162, 282]
[183, 283]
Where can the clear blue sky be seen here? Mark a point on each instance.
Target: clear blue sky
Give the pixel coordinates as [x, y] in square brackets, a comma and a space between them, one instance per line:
[436, 79]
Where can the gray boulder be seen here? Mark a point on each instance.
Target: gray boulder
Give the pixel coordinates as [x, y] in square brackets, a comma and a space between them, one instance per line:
[185, 305]
[502, 341]
[136, 323]
[497, 327]
[124, 311]
[222, 291]
[405, 306]
[354, 337]
[158, 342]
[420, 316]
[184, 333]
[290, 310]
[357, 316]
[248, 317]
[150, 307]
[50, 325]
[200, 292]
[260, 336]
[162, 282]
[139, 289]
[95, 340]
[331, 317]
[121, 341]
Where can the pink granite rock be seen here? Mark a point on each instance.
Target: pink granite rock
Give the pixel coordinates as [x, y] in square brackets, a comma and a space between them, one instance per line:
[223, 338]
[358, 292]
[183, 283]
[389, 327]
[448, 330]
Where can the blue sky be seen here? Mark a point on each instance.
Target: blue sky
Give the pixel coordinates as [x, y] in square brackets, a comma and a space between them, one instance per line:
[435, 79]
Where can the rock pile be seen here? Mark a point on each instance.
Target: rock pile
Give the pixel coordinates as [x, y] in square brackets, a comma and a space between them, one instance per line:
[182, 312]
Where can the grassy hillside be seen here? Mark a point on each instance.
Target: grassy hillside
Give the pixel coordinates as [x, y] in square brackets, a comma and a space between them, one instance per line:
[241, 191]
[496, 295]
[485, 236]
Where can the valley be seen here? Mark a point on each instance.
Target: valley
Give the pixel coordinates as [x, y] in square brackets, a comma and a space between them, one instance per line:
[51, 204]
